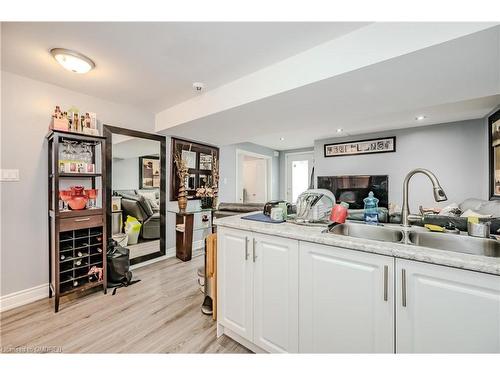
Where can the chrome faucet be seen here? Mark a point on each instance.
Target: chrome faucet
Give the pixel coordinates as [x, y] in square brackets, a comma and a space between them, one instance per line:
[438, 191]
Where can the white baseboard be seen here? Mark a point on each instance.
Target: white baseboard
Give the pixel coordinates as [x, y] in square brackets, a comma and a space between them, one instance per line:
[23, 297]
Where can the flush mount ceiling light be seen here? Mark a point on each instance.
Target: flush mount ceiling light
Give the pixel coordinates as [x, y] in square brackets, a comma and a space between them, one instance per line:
[72, 60]
[282, 139]
[420, 118]
[340, 130]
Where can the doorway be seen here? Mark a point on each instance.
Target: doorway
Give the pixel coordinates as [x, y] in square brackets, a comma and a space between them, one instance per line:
[253, 177]
[299, 167]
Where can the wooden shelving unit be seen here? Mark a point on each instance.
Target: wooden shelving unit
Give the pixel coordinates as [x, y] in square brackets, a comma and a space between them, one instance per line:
[77, 238]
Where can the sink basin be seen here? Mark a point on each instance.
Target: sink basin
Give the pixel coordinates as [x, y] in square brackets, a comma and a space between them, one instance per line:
[454, 242]
[369, 232]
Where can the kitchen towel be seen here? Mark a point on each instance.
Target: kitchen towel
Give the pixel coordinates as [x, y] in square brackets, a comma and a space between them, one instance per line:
[261, 217]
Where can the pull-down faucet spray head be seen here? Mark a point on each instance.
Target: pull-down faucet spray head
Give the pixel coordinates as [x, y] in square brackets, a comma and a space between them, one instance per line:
[439, 194]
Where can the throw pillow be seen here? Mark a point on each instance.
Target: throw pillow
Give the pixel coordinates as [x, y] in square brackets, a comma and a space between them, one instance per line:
[151, 199]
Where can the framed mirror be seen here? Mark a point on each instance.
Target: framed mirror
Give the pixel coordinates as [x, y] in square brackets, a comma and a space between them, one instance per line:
[136, 191]
[494, 154]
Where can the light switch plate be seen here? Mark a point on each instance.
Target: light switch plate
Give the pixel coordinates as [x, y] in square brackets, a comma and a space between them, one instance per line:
[9, 175]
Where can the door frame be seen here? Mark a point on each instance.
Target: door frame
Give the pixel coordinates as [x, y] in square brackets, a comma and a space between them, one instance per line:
[287, 156]
[269, 167]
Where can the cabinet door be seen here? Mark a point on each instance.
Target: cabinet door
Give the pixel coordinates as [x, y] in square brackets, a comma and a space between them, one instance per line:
[235, 281]
[276, 293]
[446, 310]
[346, 301]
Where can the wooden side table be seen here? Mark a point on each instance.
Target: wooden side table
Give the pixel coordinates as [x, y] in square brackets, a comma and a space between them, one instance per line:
[184, 237]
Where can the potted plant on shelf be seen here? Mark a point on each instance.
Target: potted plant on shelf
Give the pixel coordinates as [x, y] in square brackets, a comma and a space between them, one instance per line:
[206, 194]
[182, 173]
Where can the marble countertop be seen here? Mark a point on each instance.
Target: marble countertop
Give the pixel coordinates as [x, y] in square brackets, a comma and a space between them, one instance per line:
[471, 262]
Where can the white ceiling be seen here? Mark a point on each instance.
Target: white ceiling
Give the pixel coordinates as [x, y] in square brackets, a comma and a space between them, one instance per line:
[125, 147]
[452, 81]
[153, 65]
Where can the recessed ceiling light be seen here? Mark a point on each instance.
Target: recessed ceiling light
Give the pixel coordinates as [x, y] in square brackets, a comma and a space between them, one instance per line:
[420, 118]
[282, 139]
[340, 130]
[72, 60]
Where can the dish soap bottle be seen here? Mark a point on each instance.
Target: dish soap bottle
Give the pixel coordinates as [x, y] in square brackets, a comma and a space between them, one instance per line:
[371, 209]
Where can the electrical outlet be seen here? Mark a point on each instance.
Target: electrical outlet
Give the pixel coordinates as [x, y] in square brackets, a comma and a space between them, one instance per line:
[9, 175]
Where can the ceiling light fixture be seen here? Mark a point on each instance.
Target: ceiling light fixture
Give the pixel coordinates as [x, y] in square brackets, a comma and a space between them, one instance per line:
[340, 130]
[72, 60]
[420, 118]
[282, 139]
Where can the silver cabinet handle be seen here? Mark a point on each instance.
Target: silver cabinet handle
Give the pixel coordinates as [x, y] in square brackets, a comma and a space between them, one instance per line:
[254, 255]
[84, 219]
[386, 279]
[403, 287]
[246, 248]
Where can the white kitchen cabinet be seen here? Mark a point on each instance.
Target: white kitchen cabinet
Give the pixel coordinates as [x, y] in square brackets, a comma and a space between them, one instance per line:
[258, 288]
[276, 278]
[446, 310]
[235, 281]
[346, 300]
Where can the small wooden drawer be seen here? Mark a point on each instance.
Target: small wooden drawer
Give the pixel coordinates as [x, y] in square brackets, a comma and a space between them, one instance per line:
[80, 222]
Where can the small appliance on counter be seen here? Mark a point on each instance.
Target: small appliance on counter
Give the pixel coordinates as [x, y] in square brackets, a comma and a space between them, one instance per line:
[275, 204]
[314, 205]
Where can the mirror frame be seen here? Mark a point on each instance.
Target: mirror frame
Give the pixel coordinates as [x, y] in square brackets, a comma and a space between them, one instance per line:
[491, 163]
[108, 132]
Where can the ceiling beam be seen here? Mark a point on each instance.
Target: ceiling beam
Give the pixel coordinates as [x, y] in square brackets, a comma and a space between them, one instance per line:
[369, 45]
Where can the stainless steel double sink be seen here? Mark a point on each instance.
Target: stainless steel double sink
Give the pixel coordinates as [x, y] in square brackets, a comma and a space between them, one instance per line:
[420, 237]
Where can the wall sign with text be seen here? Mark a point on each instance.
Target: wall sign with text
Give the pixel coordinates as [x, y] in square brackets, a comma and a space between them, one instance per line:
[367, 146]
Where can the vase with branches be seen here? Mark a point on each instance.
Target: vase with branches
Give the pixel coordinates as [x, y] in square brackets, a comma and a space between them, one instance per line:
[182, 173]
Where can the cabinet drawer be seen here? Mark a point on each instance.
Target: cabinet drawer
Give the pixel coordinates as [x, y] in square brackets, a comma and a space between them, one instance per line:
[80, 222]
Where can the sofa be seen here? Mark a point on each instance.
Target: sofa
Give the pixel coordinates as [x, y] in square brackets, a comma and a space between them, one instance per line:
[144, 206]
[230, 209]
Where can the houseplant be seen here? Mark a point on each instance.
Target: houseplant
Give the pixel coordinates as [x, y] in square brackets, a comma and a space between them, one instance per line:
[206, 194]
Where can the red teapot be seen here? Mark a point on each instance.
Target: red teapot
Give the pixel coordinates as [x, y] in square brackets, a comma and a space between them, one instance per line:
[78, 199]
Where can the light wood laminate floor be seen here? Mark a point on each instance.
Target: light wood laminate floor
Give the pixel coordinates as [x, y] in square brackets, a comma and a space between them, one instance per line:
[160, 314]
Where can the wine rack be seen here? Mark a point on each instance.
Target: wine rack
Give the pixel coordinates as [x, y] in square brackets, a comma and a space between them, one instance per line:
[77, 238]
[79, 251]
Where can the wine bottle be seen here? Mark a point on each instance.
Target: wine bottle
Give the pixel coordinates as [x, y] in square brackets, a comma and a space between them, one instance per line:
[78, 262]
[99, 250]
[75, 283]
[79, 254]
[63, 257]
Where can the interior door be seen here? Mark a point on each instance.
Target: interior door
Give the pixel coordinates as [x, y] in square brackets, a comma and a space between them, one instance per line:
[276, 275]
[446, 310]
[235, 284]
[346, 301]
[299, 167]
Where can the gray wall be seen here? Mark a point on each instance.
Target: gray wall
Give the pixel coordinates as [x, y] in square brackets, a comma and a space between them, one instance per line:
[26, 108]
[456, 152]
[227, 190]
[126, 174]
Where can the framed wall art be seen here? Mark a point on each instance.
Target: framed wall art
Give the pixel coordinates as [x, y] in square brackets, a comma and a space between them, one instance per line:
[494, 154]
[366, 146]
[205, 162]
[199, 159]
[149, 172]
